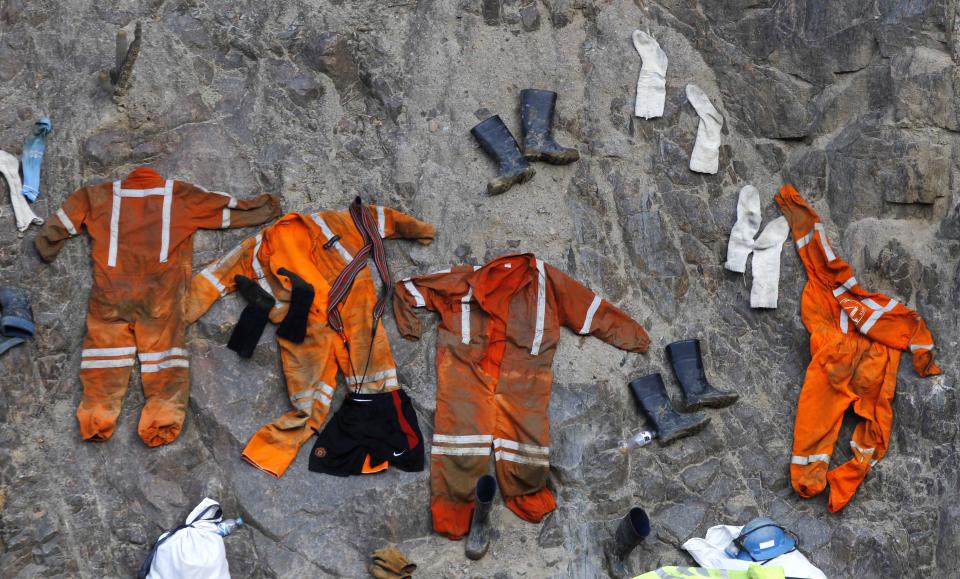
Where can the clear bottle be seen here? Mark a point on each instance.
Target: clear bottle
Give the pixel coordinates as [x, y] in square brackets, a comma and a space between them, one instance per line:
[227, 526]
[642, 438]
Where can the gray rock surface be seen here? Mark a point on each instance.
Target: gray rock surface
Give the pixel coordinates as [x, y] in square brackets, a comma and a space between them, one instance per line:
[855, 101]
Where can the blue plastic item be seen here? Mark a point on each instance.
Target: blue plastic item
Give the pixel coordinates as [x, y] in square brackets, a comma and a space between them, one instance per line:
[761, 540]
[32, 157]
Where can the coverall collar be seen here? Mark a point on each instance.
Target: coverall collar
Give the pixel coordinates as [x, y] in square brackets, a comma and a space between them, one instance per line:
[478, 279]
[143, 178]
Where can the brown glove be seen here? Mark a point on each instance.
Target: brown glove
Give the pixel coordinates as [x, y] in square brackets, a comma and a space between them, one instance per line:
[390, 563]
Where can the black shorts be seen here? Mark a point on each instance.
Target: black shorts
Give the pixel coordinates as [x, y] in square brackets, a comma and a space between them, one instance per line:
[381, 426]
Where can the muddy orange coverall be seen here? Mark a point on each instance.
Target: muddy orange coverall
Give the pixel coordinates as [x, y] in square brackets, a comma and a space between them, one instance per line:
[497, 336]
[856, 337]
[141, 232]
[317, 247]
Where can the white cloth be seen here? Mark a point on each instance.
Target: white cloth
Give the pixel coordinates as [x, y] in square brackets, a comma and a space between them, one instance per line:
[706, 150]
[744, 230]
[652, 84]
[766, 248]
[766, 264]
[195, 552]
[708, 552]
[10, 169]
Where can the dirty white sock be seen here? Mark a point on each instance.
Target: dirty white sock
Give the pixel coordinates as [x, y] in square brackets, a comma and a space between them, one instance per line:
[744, 230]
[766, 264]
[10, 169]
[706, 151]
[651, 86]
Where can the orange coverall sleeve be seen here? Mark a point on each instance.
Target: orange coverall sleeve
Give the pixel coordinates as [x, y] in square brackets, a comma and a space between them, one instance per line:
[584, 312]
[889, 323]
[64, 224]
[217, 279]
[394, 224]
[214, 210]
[409, 294]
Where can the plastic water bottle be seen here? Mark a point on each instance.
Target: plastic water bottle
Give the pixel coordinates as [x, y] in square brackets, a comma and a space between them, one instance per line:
[227, 526]
[642, 438]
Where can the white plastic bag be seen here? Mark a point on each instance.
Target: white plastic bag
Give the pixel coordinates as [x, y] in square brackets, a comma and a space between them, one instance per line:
[709, 552]
[192, 551]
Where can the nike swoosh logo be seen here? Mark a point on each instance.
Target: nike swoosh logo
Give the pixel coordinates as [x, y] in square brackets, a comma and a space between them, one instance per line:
[399, 453]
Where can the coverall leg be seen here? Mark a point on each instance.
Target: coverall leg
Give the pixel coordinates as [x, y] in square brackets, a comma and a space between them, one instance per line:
[310, 370]
[164, 366]
[108, 355]
[844, 371]
[464, 425]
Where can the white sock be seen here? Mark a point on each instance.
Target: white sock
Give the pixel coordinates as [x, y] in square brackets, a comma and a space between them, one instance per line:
[744, 230]
[706, 151]
[766, 264]
[651, 86]
[10, 169]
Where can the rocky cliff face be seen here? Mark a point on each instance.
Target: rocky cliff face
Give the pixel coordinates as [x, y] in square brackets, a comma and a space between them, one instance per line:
[854, 101]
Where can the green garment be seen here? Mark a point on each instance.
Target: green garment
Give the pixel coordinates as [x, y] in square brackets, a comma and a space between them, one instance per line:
[755, 572]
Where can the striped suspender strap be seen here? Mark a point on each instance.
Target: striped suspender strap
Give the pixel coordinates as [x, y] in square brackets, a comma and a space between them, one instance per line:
[367, 226]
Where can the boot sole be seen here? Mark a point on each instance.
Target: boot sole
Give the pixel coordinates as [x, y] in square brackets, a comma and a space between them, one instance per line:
[476, 555]
[565, 159]
[716, 402]
[500, 186]
[683, 433]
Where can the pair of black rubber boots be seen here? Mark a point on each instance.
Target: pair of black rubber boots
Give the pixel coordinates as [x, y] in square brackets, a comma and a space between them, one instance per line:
[651, 394]
[536, 115]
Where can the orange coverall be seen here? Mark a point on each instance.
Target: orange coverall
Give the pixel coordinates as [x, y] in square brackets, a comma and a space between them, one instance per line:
[316, 247]
[141, 232]
[498, 332]
[855, 341]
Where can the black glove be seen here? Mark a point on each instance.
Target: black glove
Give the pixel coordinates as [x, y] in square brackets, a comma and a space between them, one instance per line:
[294, 326]
[246, 334]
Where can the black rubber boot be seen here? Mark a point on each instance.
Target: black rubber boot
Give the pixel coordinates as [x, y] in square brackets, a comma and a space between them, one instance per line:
[246, 334]
[652, 396]
[478, 541]
[16, 318]
[294, 325]
[536, 115]
[687, 365]
[496, 140]
[632, 530]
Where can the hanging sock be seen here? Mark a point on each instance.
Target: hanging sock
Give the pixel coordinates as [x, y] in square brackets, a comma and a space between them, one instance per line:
[651, 86]
[766, 264]
[744, 230]
[10, 169]
[706, 151]
[32, 157]
[246, 334]
[294, 326]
